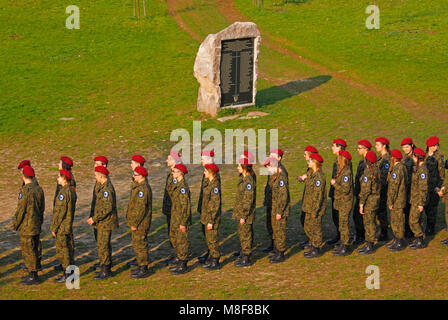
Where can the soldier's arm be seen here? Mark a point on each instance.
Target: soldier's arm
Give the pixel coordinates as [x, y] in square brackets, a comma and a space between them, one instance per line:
[59, 213]
[92, 206]
[423, 188]
[365, 191]
[345, 186]
[20, 213]
[165, 201]
[318, 195]
[139, 209]
[441, 168]
[393, 187]
[281, 201]
[184, 205]
[106, 208]
[213, 206]
[246, 204]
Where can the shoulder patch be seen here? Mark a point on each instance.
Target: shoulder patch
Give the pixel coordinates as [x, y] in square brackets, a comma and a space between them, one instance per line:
[281, 183]
[365, 179]
[318, 183]
[216, 190]
[249, 186]
[141, 194]
[105, 194]
[61, 197]
[394, 176]
[174, 180]
[182, 190]
[20, 195]
[422, 176]
[346, 179]
[387, 165]
[442, 159]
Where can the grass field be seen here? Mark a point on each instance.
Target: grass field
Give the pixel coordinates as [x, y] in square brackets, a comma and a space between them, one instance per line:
[125, 84]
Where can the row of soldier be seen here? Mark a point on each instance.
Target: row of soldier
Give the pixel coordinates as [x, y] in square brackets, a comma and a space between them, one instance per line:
[406, 186]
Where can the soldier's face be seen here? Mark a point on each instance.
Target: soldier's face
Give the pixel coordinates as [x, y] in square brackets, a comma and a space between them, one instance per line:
[240, 168]
[361, 150]
[379, 146]
[307, 155]
[60, 165]
[134, 164]
[407, 149]
[433, 148]
[99, 163]
[205, 160]
[169, 161]
[272, 169]
[177, 173]
[335, 148]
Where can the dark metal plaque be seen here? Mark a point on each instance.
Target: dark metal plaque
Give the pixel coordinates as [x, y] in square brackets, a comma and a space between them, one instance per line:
[237, 71]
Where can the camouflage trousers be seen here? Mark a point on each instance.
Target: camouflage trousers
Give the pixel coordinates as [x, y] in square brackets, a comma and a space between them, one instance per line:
[313, 229]
[279, 233]
[140, 246]
[180, 241]
[369, 219]
[397, 220]
[415, 221]
[65, 250]
[212, 240]
[104, 246]
[343, 225]
[30, 253]
[269, 222]
[246, 236]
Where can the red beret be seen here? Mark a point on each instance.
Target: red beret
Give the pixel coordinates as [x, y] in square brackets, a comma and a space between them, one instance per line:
[432, 141]
[269, 160]
[138, 158]
[341, 142]
[208, 153]
[24, 163]
[28, 171]
[175, 156]
[317, 157]
[406, 141]
[382, 140]
[277, 151]
[141, 171]
[346, 154]
[311, 149]
[249, 155]
[67, 160]
[371, 156]
[101, 158]
[396, 154]
[101, 169]
[212, 166]
[365, 143]
[66, 173]
[419, 152]
[244, 161]
[181, 167]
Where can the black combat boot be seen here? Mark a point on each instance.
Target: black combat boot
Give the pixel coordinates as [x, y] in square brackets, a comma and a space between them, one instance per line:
[279, 257]
[305, 244]
[343, 251]
[203, 259]
[169, 260]
[97, 266]
[32, 278]
[173, 262]
[62, 278]
[359, 239]
[418, 244]
[104, 273]
[237, 253]
[313, 253]
[444, 242]
[132, 263]
[213, 264]
[400, 245]
[270, 248]
[392, 244]
[58, 267]
[367, 249]
[382, 235]
[430, 229]
[180, 268]
[335, 239]
[244, 261]
[142, 272]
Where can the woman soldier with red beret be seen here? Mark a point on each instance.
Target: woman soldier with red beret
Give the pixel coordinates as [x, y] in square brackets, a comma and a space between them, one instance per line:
[419, 198]
[396, 199]
[436, 174]
[408, 147]
[342, 183]
[382, 147]
[369, 201]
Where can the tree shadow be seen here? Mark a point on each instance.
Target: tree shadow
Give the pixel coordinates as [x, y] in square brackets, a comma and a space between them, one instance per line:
[274, 94]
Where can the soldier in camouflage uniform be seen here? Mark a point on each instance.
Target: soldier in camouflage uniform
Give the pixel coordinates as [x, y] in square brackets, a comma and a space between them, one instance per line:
[369, 200]
[419, 198]
[244, 211]
[397, 181]
[138, 218]
[382, 147]
[443, 193]
[105, 219]
[314, 204]
[363, 147]
[62, 223]
[408, 146]
[307, 152]
[435, 163]
[342, 182]
[211, 214]
[180, 219]
[27, 221]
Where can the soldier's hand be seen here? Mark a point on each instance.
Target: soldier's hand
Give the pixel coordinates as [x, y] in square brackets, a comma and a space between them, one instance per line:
[133, 228]
[242, 221]
[361, 209]
[440, 193]
[182, 228]
[420, 208]
[437, 189]
[391, 207]
[209, 226]
[278, 217]
[90, 221]
[299, 178]
[333, 181]
[54, 234]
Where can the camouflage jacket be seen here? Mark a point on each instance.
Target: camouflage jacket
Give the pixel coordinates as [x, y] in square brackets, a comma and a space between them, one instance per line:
[27, 218]
[40, 199]
[315, 195]
[167, 194]
[343, 190]
[245, 200]
[309, 172]
[63, 211]
[268, 188]
[181, 204]
[419, 188]
[139, 211]
[204, 184]
[334, 173]
[370, 188]
[397, 181]
[105, 215]
[281, 202]
[59, 187]
[211, 203]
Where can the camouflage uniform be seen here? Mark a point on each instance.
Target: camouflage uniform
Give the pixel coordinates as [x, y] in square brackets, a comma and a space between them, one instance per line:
[211, 214]
[397, 181]
[244, 208]
[72, 184]
[106, 219]
[370, 197]
[62, 225]
[445, 198]
[358, 219]
[409, 164]
[419, 197]
[281, 204]
[309, 171]
[138, 215]
[343, 201]
[381, 217]
[167, 195]
[180, 215]
[41, 204]
[267, 202]
[27, 221]
[314, 205]
[436, 175]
